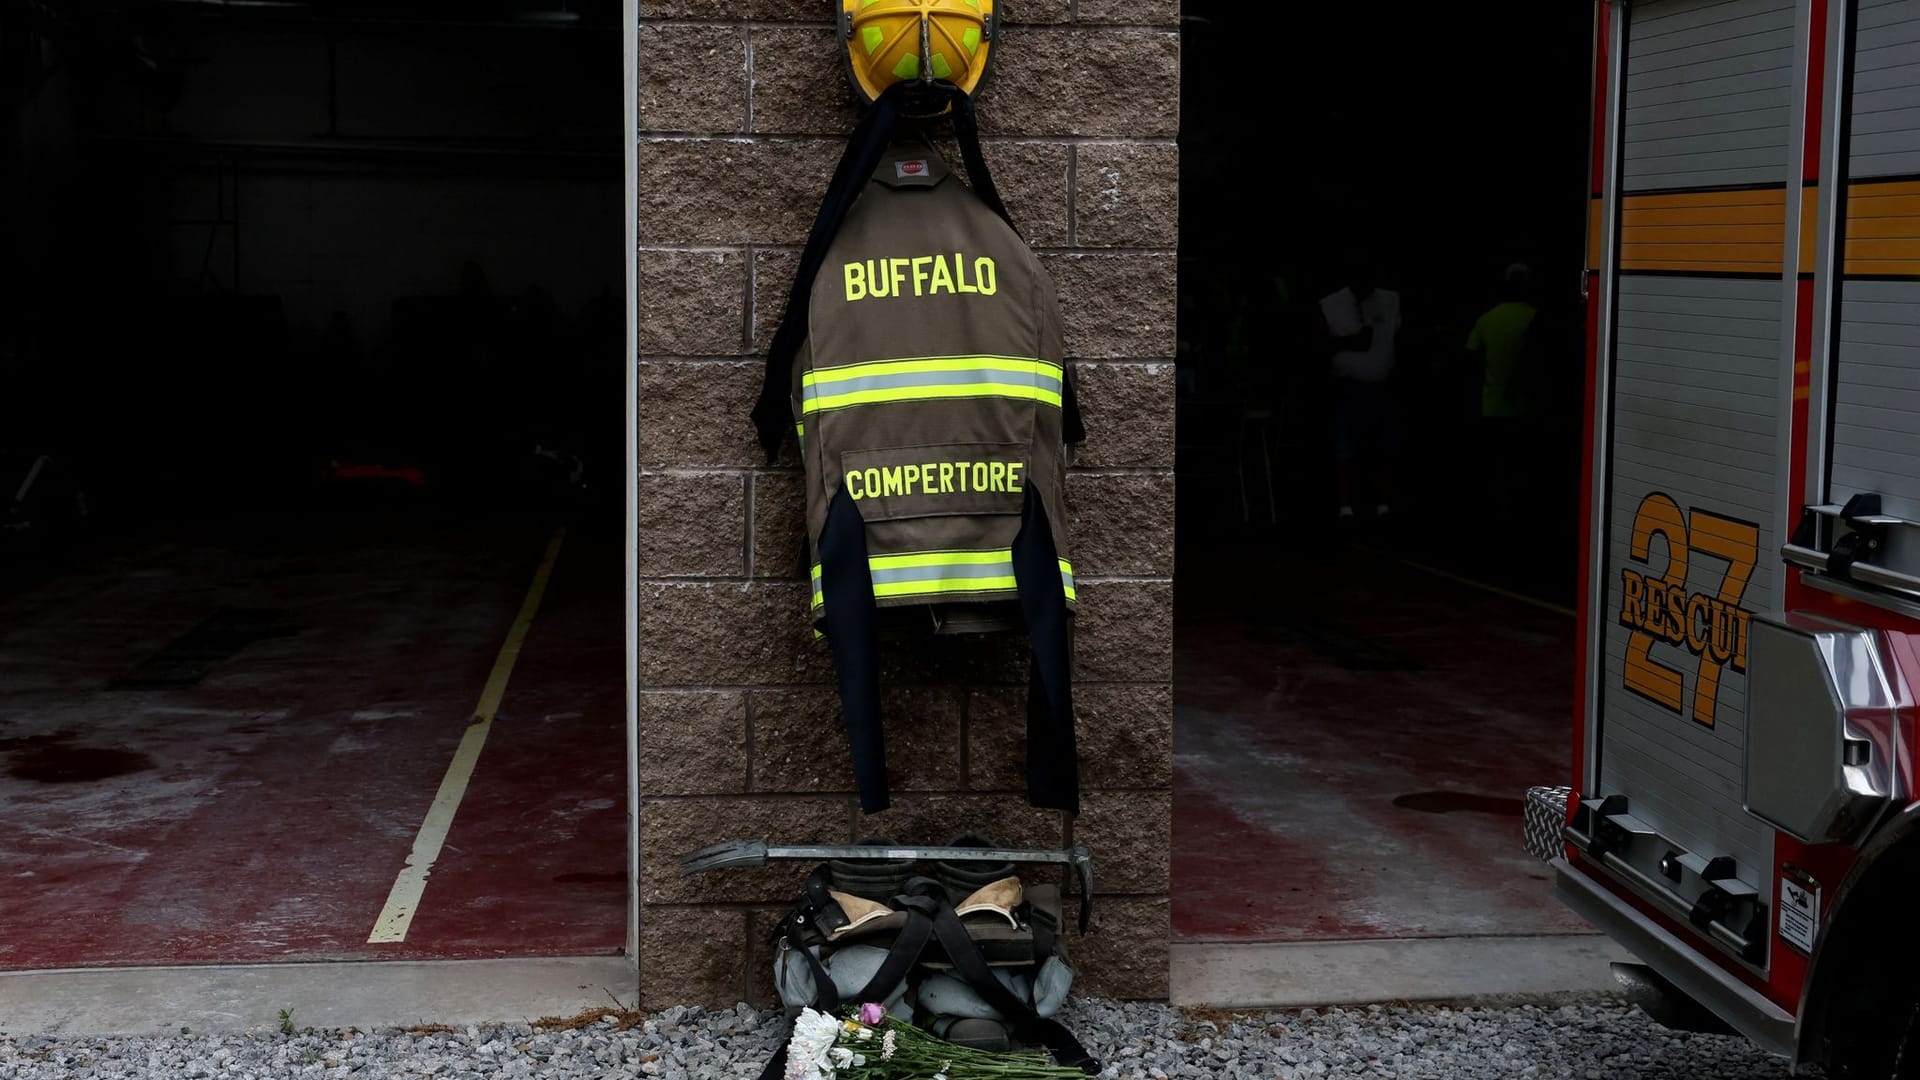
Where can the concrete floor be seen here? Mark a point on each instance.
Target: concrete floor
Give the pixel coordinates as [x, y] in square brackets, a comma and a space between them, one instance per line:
[223, 998]
[262, 812]
[1351, 746]
[1352, 740]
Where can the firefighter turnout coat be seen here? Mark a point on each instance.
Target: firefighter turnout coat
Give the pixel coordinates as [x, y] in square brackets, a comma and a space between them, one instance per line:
[929, 398]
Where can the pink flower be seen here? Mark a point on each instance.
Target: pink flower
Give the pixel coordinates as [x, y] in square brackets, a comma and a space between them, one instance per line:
[872, 1012]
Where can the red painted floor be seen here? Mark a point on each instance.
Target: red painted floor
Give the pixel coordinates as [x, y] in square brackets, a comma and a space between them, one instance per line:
[263, 813]
[1352, 739]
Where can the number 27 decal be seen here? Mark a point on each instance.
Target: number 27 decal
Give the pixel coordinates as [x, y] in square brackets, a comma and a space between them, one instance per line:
[1660, 608]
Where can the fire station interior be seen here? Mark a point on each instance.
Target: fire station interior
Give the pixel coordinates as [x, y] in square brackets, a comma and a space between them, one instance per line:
[311, 438]
[1361, 702]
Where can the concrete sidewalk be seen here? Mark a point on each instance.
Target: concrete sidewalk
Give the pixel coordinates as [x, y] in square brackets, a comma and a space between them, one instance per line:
[234, 998]
[1298, 974]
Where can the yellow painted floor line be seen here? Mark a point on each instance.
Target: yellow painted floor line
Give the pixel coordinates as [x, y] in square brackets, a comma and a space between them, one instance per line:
[404, 899]
[1530, 601]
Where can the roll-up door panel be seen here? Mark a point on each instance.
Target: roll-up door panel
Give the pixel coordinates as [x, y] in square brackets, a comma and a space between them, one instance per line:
[1876, 388]
[1721, 71]
[1696, 407]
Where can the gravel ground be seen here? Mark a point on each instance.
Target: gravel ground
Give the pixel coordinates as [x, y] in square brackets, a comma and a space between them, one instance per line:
[1595, 1038]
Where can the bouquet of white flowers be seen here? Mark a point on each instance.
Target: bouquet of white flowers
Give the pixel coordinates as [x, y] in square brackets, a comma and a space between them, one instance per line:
[868, 1044]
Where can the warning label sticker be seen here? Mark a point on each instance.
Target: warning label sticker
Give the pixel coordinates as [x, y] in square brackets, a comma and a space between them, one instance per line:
[1799, 909]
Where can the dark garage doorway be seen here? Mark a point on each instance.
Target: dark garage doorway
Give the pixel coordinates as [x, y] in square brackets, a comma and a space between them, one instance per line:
[1361, 701]
[311, 431]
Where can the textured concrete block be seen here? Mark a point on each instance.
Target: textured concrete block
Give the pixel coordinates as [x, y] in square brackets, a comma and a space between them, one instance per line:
[808, 10]
[921, 658]
[1128, 409]
[1126, 195]
[1130, 12]
[692, 78]
[1085, 82]
[1126, 955]
[1122, 524]
[698, 414]
[780, 525]
[1124, 633]
[692, 956]
[800, 743]
[800, 83]
[761, 924]
[701, 634]
[732, 191]
[744, 111]
[1131, 837]
[669, 828]
[772, 277]
[1124, 735]
[1116, 305]
[756, 10]
[692, 524]
[692, 742]
[692, 303]
[1042, 12]
[1032, 180]
[935, 819]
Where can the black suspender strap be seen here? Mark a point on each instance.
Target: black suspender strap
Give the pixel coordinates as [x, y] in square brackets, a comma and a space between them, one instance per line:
[852, 618]
[772, 414]
[1053, 763]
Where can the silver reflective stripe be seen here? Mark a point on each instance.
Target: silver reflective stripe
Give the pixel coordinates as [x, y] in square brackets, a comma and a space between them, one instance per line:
[827, 385]
[942, 572]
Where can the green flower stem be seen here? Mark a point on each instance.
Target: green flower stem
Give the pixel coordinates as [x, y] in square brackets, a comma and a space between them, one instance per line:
[919, 1054]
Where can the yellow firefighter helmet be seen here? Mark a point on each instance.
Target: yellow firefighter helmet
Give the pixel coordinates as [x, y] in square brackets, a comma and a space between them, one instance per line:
[890, 41]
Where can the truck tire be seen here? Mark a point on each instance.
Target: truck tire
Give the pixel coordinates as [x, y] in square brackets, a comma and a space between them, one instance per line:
[1882, 1045]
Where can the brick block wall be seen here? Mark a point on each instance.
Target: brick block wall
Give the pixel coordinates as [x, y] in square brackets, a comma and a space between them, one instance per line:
[743, 112]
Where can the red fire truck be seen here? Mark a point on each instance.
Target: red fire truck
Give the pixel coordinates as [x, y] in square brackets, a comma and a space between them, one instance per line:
[1742, 813]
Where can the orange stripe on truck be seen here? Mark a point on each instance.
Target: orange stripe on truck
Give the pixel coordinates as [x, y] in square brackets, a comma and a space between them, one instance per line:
[1883, 228]
[1705, 231]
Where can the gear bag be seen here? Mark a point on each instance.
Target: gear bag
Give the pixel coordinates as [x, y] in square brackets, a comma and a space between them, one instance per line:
[920, 363]
[973, 960]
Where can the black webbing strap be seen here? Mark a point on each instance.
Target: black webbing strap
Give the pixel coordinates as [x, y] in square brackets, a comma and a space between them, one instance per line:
[853, 635]
[826, 996]
[1053, 763]
[773, 414]
[908, 944]
[966, 132]
[1028, 1025]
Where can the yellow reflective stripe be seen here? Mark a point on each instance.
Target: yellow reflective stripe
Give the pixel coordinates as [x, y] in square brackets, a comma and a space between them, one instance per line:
[875, 368]
[939, 558]
[1066, 580]
[935, 586]
[926, 393]
[800, 430]
[919, 588]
